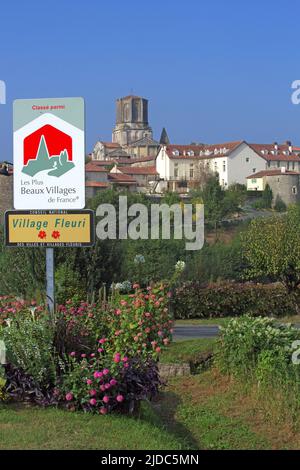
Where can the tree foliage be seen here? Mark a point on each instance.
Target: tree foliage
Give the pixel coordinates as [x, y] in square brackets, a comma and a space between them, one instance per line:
[271, 249]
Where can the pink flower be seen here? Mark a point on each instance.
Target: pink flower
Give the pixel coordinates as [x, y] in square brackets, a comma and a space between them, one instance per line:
[93, 392]
[118, 311]
[160, 333]
[98, 374]
[105, 371]
[117, 358]
[93, 355]
[73, 354]
[136, 286]
[120, 398]
[69, 396]
[158, 350]
[113, 382]
[83, 355]
[102, 388]
[106, 399]
[166, 341]
[93, 401]
[107, 386]
[125, 359]
[147, 330]
[103, 410]
[136, 338]
[89, 382]
[100, 350]
[102, 340]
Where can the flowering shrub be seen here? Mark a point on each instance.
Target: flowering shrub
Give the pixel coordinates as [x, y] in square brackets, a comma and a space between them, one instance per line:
[11, 306]
[93, 358]
[99, 384]
[123, 287]
[137, 324]
[244, 341]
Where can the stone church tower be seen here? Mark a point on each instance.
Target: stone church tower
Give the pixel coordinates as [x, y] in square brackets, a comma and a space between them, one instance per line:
[132, 121]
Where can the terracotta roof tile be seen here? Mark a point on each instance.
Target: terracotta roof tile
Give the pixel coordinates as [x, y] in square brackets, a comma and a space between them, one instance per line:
[139, 170]
[121, 178]
[197, 149]
[96, 184]
[261, 174]
[94, 167]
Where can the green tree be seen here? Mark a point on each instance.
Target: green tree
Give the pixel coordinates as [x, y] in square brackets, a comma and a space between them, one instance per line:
[267, 197]
[271, 249]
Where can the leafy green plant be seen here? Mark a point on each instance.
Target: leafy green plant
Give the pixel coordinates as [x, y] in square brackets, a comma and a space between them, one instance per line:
[229, 299]
[29, 346]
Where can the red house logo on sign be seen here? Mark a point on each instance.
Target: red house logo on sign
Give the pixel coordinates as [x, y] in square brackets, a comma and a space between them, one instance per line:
[49, 154]
[49, 149]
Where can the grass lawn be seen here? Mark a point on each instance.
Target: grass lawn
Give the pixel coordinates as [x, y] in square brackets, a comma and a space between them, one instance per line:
[36, 428]
[210, 411]
[205, 411]
[187, 351]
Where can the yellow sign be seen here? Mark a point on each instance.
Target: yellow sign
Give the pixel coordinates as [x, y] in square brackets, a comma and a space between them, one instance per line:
[49, 228]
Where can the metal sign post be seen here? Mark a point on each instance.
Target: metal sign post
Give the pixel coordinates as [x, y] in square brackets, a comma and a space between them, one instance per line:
[50, 289]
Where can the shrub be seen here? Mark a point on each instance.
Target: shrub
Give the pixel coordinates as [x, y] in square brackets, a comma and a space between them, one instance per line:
[99, 384]
[279, 205]
[96, 358]
[195, 300]
[29, 346]
[248, 346]
[68, 284]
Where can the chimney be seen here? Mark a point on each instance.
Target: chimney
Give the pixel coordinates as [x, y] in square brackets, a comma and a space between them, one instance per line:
[275, 145]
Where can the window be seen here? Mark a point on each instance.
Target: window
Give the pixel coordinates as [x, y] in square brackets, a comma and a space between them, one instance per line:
[216, 167]
[278, 164]
[176, 170]
[253, 170]
[253, 180]
[224, 166]
[294, 190]
[293, 165]
[288, 166]
[269, 164]
[247, 159]
[191, 170]
[223, 182]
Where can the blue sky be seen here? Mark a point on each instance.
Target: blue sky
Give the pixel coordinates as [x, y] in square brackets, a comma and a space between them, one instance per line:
[212, 70]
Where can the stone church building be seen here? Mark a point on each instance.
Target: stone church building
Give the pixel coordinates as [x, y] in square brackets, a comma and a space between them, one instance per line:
[132, 135]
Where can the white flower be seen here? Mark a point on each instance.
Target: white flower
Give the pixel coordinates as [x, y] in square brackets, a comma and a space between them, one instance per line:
[179, 266]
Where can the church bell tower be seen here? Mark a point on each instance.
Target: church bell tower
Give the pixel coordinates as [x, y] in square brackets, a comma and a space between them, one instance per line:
[132, 120]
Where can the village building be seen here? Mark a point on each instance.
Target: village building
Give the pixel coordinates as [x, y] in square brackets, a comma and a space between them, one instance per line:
[283, 183]
[145, 177]
[180, 167]
[132, 135]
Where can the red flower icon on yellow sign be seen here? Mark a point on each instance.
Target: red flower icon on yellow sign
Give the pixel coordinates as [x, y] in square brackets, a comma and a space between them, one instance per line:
[42, 234]
[55, 234]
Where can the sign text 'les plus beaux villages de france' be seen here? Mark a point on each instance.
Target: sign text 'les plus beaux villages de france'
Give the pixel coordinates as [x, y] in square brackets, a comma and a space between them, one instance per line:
[49, 154]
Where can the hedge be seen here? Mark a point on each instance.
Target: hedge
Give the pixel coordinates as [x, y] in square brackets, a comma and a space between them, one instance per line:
[195, 300]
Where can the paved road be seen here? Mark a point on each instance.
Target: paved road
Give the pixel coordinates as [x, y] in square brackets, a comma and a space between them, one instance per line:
[194, 331]
[185, 332]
